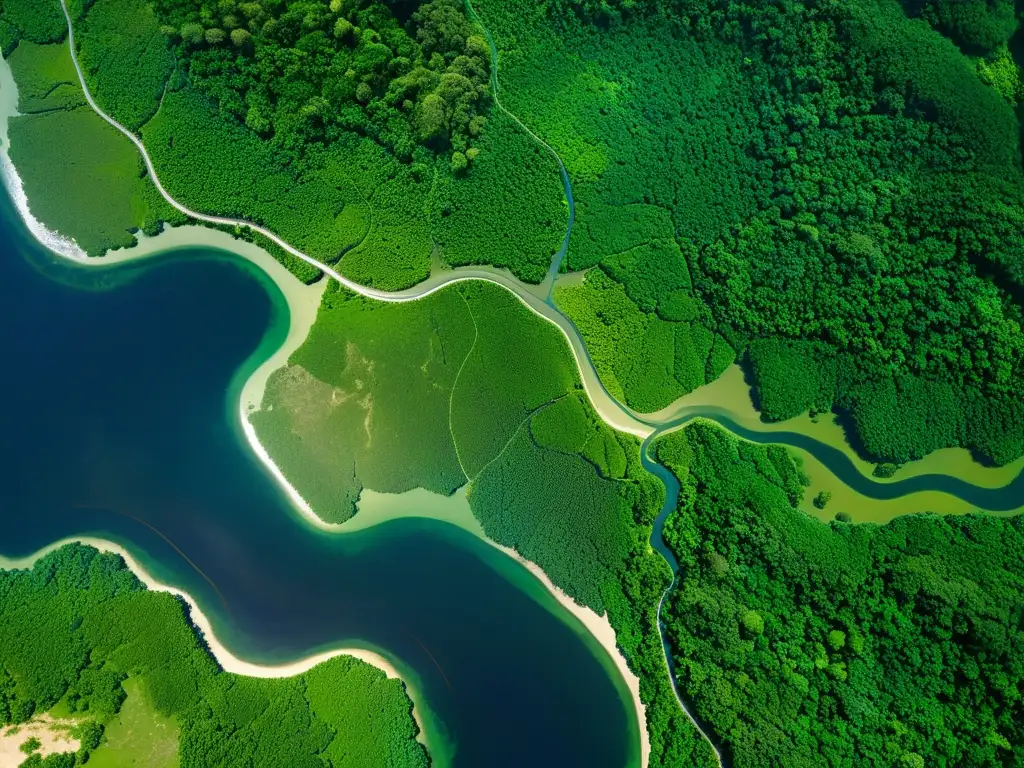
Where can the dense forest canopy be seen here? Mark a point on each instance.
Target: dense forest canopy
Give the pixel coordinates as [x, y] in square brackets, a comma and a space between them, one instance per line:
[806, 644]
[846, 173]
[303, 72]
[92, 625]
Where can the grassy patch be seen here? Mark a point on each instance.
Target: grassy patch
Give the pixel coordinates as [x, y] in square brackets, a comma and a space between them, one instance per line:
[365, 401]
[644, 360]
[138, 735]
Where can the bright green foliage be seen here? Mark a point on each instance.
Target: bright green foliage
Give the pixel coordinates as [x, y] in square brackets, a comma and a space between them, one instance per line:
[372, 711]
[305, 211]
[642, 359]
[611, 326]
[651, 273]
[564, 425]
[792, 377]
[83, 179]
[90, 618]
[508, 211]
[125, 58]
[471, 368]
[517, 364]
[891, 645]
[721, 357]
[832, 170]
[324, 124]
[46, 78]
[1001, 72]
[380, 376]
[974, 25]
[395, 243]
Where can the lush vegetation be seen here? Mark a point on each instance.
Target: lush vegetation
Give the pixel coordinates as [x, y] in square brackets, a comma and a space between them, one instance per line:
[94, 627]
[82, 178]
[509, 212]
[801, 643]
[843, 173]
[39, 21]
[354, 130]
[468, 385]
[646, 359]
[365, 400]
[302, 73]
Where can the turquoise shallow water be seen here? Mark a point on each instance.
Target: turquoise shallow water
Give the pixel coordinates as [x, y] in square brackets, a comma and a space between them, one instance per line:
[120, 393]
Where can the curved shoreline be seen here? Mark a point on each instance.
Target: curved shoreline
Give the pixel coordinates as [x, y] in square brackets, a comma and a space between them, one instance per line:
[225, 658]
[611, 411]
[614, 413]
[303, 302]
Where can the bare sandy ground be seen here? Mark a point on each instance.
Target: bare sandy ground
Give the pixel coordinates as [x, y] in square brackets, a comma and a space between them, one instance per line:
[53, 735]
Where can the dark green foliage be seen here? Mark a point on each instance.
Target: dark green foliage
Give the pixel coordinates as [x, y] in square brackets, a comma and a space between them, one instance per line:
[905, 417]
[974, 25]
[308, 73]
[56, 760]
[40, 21]
[834, 171]
[651, 273]
[508, 211]
[806, 644]
[556, 510]
[885, 469]
[792, 377]
[324, 122]
[92, 624]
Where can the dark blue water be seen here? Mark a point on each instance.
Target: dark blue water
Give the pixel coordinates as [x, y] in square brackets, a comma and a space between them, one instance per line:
[118, 421]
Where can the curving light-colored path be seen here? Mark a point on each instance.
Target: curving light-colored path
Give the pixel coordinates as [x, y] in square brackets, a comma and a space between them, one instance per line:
[536, 298]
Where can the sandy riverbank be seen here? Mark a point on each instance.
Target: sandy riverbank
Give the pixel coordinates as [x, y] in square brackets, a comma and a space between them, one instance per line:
[303, 302]
[376, 508]
[227, 660]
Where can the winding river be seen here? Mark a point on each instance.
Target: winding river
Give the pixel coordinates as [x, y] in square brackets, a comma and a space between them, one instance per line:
[118, 427]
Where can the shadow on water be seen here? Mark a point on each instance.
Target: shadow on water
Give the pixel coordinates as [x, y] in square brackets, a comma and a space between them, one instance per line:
[119, 423]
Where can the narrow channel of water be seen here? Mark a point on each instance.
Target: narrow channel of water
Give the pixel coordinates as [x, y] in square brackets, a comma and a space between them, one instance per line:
[119, 422]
